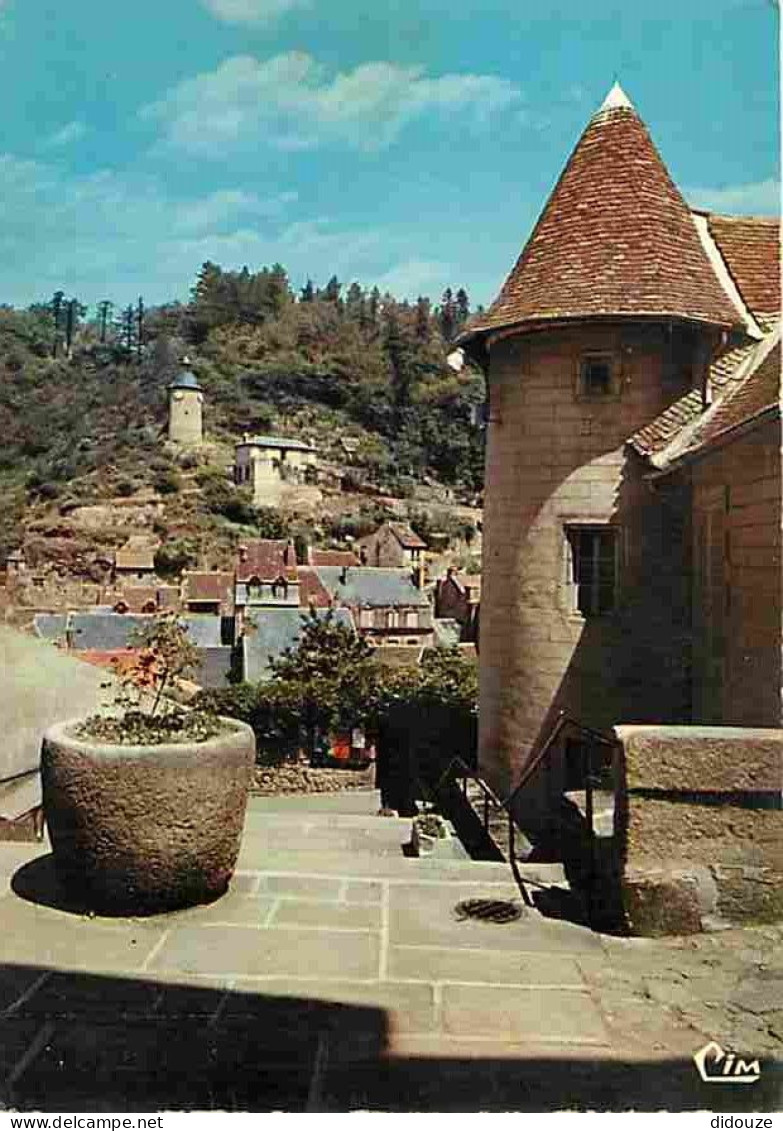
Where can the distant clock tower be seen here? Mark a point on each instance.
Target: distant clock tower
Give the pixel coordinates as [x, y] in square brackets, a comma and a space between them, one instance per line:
[185, 410]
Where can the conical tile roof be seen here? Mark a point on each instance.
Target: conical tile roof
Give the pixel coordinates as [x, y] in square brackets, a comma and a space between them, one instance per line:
[615, 238]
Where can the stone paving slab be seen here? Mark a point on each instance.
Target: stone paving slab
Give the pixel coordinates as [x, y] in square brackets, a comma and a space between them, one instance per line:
[341, 979]
[59, 941]
[514, 1013]
[409, 1008]
[294, 912]
[485, 967]
[281, 951]
[419, 917]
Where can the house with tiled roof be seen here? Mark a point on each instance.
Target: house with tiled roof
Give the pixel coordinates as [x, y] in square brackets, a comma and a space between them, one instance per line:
[393, 546]
[632, 521]
[208, 592]
[386, 605]
[266, 463]
[135, 560]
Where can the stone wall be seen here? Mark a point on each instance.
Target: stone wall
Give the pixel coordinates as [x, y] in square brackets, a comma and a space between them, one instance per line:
[699, 826]
[40, 686]
[556, 458]
[185, 417]
[737, 582]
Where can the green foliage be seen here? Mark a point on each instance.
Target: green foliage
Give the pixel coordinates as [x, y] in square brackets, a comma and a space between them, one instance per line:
[270, 523]
[163, 653]
[233, 503]
[272, 709]
[335, 671]
[174, 556]
[167, 482]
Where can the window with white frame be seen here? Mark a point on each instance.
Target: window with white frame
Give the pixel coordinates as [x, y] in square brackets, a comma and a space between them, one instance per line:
[411, 620]
[592, 569]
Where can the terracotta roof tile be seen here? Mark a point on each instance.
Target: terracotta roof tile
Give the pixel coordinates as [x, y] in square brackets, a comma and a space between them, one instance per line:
[312, 591]
[135, 557]
[138, 597]
[265, 558]
[211, 586]
[615, 238]
[758, 391]
[750, 246]
[333, 558]
[407, 538]
[659, 433]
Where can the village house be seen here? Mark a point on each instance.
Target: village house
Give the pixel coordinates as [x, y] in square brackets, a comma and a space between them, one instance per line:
[135, 561]
[457, 597]
[146, 599]
[266, 463]
[632, 517]
[265, 577]
[387, 607]
[393, 546]
[208, 592]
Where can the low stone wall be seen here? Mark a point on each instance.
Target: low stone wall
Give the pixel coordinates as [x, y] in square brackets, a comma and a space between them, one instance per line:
[40, 685]
[699, 827]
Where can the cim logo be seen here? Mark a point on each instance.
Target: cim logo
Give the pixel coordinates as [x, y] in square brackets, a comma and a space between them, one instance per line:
[716, 1066]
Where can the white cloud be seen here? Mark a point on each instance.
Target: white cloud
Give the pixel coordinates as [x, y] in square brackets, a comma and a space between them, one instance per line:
[225, 207]
[116, 235]
[290, 102]
[413, 277]
[761, 197]
[250, 11]
[66, 135]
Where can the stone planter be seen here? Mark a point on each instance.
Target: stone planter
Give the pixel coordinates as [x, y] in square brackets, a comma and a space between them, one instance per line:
[144, 829]
[427, 834]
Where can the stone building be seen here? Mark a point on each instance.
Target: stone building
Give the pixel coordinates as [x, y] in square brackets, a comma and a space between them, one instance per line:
[457, 597]
[135, 561]
[393, 546]
[632, 522]
[387, 607]
[186, 400]
[267, 463]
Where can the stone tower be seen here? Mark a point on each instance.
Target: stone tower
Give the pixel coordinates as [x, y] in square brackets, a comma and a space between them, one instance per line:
[185, 410]
[612, 313]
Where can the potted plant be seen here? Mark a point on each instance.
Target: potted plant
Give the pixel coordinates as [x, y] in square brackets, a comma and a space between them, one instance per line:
[145, 805]
[426, 831]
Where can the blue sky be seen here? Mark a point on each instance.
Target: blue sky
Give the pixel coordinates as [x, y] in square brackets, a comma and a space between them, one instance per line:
[410, 145]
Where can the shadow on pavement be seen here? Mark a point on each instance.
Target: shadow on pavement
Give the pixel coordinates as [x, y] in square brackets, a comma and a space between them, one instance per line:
[82, 1042]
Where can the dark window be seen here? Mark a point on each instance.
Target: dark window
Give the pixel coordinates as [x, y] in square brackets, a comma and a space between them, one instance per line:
[593, 568]
[596, 377]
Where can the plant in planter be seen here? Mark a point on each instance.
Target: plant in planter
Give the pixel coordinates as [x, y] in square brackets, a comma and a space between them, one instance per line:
[145, 806]
[426, 831]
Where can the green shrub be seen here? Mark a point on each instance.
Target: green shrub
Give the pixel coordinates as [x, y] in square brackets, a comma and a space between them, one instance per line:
[174, 556]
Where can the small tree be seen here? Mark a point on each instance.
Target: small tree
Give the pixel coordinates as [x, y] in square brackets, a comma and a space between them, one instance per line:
[335, 671]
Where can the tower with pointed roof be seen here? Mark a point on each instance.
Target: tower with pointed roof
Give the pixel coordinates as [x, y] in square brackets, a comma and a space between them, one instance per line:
[186, 400]
[611, 317]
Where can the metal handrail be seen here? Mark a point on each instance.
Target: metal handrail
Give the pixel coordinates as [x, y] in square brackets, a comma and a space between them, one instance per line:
[562, 721]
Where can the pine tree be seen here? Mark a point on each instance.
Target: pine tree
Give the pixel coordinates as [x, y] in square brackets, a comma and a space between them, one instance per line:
[422, 318]
[307, 293]
[331, 292]
[463, 307]
[57, 306]
[448, 315]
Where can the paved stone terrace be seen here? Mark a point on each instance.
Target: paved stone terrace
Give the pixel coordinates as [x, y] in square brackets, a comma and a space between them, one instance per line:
[334, 975]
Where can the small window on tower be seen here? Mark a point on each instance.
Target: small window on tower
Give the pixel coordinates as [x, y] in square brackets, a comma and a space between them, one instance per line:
[592, 569]
[596, 377]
